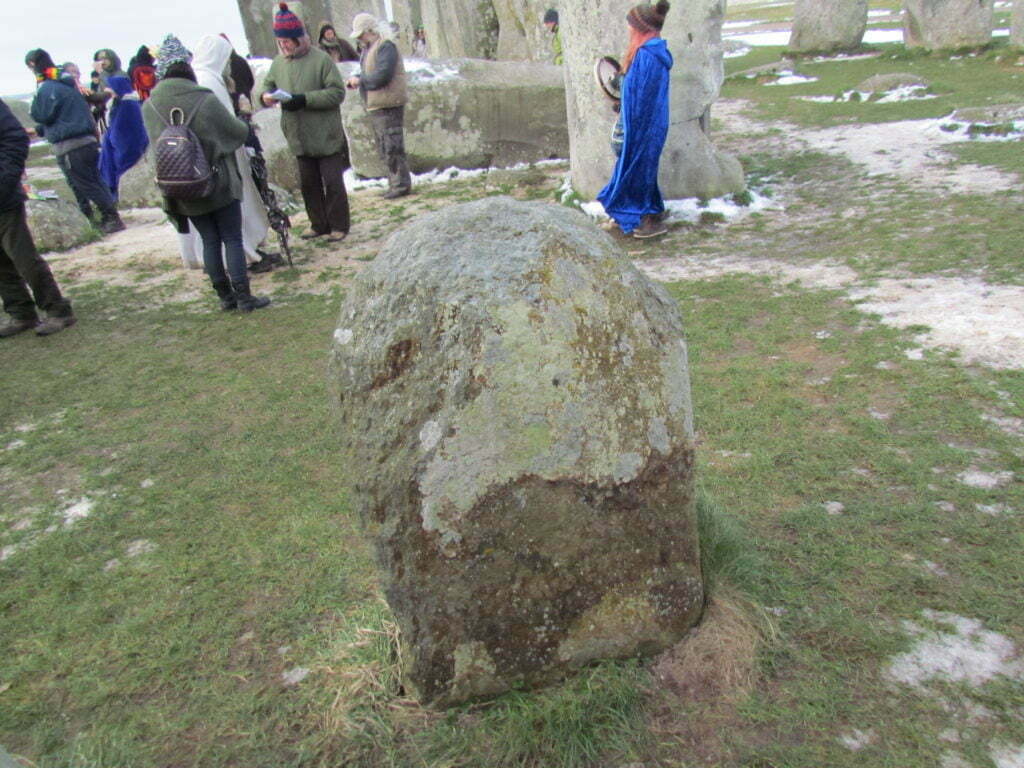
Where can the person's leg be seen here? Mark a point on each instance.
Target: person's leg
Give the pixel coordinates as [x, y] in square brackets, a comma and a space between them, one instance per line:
[17, 300]
[229, 224]
[83, 202]
[84, 162]
[16, 243]
[213, 261]
[332, 170]
[393, 141]
[312, 187]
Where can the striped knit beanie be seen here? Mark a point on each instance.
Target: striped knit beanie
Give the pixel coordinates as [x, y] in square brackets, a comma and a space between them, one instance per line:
[287, 24]
[648, 17]
[171, 52]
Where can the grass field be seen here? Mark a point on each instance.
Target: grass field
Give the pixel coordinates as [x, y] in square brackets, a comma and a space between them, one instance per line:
[182, 582]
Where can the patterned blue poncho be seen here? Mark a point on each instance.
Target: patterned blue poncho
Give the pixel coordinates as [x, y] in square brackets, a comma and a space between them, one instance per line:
[633, 190]
[125, 140]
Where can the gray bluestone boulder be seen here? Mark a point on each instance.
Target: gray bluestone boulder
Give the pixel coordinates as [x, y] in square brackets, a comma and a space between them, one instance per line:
[469, 113]
[690, 165]
[137, 188]
[890, 81]
[58, 225]
[514, 404]
[460, 28]
[947, 24]
[1017, 24]
[521, 32]
[258, 21]
[827, 26]
[281, 165]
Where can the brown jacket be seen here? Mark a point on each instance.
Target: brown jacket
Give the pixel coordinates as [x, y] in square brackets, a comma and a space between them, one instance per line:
[378, 90]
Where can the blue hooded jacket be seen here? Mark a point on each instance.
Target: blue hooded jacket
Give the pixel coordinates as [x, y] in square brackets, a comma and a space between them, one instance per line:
[633, 190]
[61, 111]
[125, 140]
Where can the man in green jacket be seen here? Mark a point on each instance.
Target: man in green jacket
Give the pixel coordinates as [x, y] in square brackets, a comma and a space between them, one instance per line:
[306, 84]
[551, 25]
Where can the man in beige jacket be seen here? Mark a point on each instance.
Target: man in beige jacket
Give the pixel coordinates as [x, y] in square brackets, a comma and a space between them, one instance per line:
[383, 89]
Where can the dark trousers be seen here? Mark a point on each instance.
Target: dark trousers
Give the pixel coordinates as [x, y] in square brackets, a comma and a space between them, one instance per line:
[81, 169]
[22, 268]
[390, 134]
[323, 191]
[223, 228]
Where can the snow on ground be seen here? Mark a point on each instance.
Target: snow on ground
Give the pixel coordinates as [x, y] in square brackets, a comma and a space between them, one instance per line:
[353, 182]
[690, 209]
[903, 93]
[817, 275]
[424, 71]
[787, 77]
[871, 37]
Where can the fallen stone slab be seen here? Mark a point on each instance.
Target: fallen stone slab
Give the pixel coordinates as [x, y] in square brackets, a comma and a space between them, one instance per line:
[516, 427]
[58, 225]
[890, 81]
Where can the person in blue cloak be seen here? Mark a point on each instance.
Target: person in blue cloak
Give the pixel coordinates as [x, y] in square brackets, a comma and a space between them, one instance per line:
[632, 197]
[125, 140]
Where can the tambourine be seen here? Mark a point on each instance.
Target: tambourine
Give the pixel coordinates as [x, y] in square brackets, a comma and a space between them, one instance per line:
[608, 74]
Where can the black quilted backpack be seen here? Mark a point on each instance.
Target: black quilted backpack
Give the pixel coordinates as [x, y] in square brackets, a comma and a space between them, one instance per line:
[183, 171]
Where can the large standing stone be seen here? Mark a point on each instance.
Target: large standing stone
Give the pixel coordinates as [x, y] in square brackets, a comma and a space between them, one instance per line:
[690, 165]
[405, 14]
[470, 113]
[947, 24]
[258, 21]
[1017, 24]
[521, 32]
[828, 25]
[460, 28]
[57, 225]
[515, 419]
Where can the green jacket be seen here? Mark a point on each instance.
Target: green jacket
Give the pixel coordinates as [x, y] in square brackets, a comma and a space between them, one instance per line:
[556, 47]
[220, 133]
[316, 130]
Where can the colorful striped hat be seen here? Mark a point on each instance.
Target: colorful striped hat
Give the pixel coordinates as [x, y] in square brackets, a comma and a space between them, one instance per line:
[287, 24]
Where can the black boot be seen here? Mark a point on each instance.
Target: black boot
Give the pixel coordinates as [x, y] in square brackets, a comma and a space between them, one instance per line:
[246, 301]
[111, 223]
[226, 295]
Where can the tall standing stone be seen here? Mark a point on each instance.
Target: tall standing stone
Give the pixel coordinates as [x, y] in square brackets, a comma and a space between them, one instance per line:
[521, 32]
[947, 24]
[690, 165]
[460, 28]
[258, 21]
[1017, 24]
[404, 13]
[828, 25]
[516, 424]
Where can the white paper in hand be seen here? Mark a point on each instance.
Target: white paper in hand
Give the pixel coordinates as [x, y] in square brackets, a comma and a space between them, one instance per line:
[280, 95]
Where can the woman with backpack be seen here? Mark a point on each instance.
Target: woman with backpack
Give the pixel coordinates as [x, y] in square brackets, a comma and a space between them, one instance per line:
[217, 214]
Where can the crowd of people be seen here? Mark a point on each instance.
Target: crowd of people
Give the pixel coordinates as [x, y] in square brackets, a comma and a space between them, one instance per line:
[177, 99]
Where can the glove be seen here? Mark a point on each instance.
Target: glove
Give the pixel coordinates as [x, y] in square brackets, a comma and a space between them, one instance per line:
[295, 103]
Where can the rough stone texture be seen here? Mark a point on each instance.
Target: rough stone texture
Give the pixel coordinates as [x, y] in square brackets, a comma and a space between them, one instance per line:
[947, 24]
[406, 14]
[137, 188]
[992, 115]
[827, 26]
[690, 166]
[58, 225]
[521, 32]
[475, 114]
[890, 81]
[281, 166]
[460, 28]
[1017, 24]
[258, 21]
[515, 419]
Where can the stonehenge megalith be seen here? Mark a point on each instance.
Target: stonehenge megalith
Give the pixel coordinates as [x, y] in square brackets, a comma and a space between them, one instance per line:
[516, 428]
[690, 165]
[947, 24]
[1017, 24]
[258, 21]
[826, 26]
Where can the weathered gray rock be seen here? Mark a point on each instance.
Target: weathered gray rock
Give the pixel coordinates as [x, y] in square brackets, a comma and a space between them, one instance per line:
[258, 21]
[1017, 24]
[995, 114]
[890, 81]
[827, 26]
[460, 28]
[515, 420]
[406, 15]
[57, 225]
[137, 188]
[282, 168]
[469, 113]
[690, 165]
[947, 24]
[521, 32]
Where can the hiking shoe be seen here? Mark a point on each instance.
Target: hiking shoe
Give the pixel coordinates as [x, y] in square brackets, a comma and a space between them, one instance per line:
[391, 194]
[649, 227]
[14, 326]
[263, 265]
[111, 225]
[313, 235]
[337, 237]
[53, 325]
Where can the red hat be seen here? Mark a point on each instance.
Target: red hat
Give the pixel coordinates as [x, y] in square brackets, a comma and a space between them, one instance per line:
[287, 24]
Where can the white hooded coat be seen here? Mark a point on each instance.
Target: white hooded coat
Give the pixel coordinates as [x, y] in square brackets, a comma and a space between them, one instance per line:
[209, 62]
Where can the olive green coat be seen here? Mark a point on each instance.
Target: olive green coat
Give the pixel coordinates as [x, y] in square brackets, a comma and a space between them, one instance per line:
[220, 133]
[316, 130]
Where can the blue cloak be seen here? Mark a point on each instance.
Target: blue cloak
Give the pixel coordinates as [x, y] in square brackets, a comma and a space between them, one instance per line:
[633, 190]
[125, 140]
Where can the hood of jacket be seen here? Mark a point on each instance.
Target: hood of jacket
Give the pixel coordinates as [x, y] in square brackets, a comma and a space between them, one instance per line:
[120, 85]
[212, 54]
[658, 48]
[320, 34]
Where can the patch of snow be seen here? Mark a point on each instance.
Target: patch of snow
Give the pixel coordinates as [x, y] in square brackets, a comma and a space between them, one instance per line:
[735, 454]
[284, 650]
[295, 675]
[950, 735]
[25, 428]
[885, 365]
[975, 478]
[880, 36]
[994, 509]
[1007, 755]
[786, 77]
[147, 483]
[879, 415]
[934, 568]
[762, 38]
[914, 354]
[777, 611]
[856, 740]
[879, 12]
[815, 275]
[80, 510]
[111, 565]
[738, 24]
[15, 445]
[690, 209]
[8, 551]
[737, 53]
[354, 183]
[953, 760]
[822, 335]
[429, 72]
[946, 506]
[967, 653]
[834, 507]
[139, 547]
[847, 57]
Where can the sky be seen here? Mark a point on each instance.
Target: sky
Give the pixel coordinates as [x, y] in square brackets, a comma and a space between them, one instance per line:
[72, 30]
